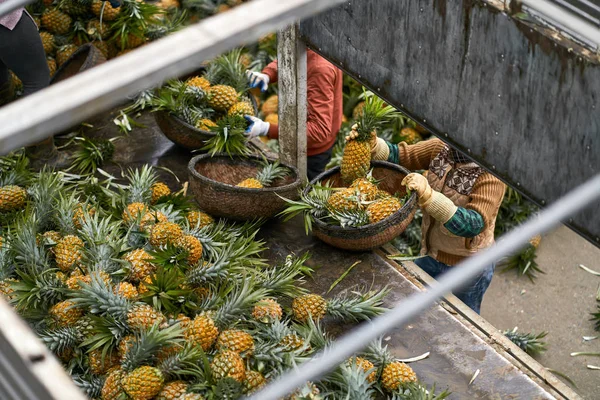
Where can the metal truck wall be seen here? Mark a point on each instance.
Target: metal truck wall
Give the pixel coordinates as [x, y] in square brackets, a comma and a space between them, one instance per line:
[519, 103]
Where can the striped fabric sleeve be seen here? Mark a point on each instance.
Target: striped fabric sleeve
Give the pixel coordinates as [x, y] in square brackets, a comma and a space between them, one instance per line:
[394, 154]
[465, 223]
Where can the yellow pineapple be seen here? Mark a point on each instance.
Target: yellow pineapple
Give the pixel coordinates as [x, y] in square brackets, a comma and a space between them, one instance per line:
[191, 396]
[383, 208]
[309, 306]
[236, 340]
[68, 252]
[132, 41]
[112, 388]
[241, 108]
[410, 136]
[358, 110]
[396, 374]
[79, 214]
[168, 4]
[108, 14]
[270, 106]
[65, 313]
[73, 282]
[142, 316]
[55, 21]
[245, 60]
[125, 345]
[205, 124]
[265, 177]
[140, 264]
[143, 383]
[51, 65]
[126, 290]
[48, 42]
[134, 211]
[192, 246]
[366, 366]
[201, 332]
[12, 198]
[151, 218]
[167, 351]
[100, 365]
[254, 382]
[344, 200]
[159, 190]
[535, 241]
[293, 342]
[199, 219]
[228, 364]
[165, 232]
[267, 311]
[172, 390]
[199, 82]
[6, 289]
[222, 97]
[367, 188]
[97, 29]
[143, 285]
[64, 53]
[103, 47]
[271, 119]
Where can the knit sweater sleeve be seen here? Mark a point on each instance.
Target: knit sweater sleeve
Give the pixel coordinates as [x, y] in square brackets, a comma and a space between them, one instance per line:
[417, 156]
[486, 197]
[271, 71]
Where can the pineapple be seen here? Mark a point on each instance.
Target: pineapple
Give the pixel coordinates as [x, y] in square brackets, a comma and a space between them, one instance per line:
[270, 106]
[74, 7]
[199, 82]
[192, 246]
[358, 110]
[132, 41]
[265, 177]
[344, 200]
[228, 364]
[205, 124]
[68, 252]
[80, 214]
[254, 382]
[48, 42]
[309, 306]
[73, 282]
[65, 313]
[112, 389]
[309, 391]
[51, 65]
[382, 209]
[535, 241]
[103, 47]
[293, 342]
[267, 311]
[356, 159]
[97, 29]
[246, 60]
[168, 4]
[164, 233]
[98, 364]
[12, 198]
[159, 190]
[237, 341]
[410, 136]
[126, 290]
[56, 21]
[125, 346]
[172, 391]
[143, 285]
[151, 218]
[143, 383]
[366, 187]
[104, 9]
[133, 211]
[241, 108]
[366, 365]
[199, 219]
[395, 375]
[6, 289]
[142, 316]
[64, 53]
[201, 332]
[141, 266]
[222, 97]
[191, 396]
[272, 119]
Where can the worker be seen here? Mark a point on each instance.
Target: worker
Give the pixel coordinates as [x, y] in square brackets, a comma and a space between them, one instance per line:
[460, 203]
[324, 109]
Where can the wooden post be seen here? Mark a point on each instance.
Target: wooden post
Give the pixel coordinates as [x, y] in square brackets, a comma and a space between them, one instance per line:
[291, 56]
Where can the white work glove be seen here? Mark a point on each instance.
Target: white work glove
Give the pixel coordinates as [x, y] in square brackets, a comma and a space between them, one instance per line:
[258, 79]
[257, 127]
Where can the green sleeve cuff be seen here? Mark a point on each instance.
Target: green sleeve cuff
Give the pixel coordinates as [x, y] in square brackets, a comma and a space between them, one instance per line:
[394, 156]
[465, 223]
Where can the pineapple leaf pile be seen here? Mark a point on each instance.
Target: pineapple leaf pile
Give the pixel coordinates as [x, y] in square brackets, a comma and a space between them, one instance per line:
[141, 296]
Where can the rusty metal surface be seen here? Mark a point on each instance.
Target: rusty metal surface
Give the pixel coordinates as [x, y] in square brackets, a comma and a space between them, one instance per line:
[518, 98]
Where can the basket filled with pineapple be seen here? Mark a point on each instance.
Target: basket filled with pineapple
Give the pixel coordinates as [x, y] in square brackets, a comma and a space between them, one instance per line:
[361, 204]
[188, 112]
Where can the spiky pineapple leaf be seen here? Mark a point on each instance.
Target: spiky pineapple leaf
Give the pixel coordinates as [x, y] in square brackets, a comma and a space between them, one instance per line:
[530, 343]
[230, 137]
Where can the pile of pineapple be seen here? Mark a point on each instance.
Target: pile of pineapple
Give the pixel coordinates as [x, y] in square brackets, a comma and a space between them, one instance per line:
[142, 296]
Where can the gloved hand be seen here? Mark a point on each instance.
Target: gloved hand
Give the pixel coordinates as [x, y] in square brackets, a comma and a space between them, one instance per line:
[257, 127]
[258, 79]
[379, 148]
[434, 203]
[114, 3]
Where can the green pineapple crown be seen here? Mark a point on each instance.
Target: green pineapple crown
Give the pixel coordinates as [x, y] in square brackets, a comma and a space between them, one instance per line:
[270, 172]
[91, 385]
[417, 391]
[146, 345]
[350, 218]
[359, 306]
[98, 297]
[92, 154]
[287, 279]
[65, 212]
[14, 170]
[375, 115]
[351, 381]
[530, 343]
[104, 243]
[228, 70]
[229, 137]
[140, 184]
[44, 193]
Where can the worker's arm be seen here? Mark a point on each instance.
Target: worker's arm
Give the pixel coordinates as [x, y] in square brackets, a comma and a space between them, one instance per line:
[271, 71]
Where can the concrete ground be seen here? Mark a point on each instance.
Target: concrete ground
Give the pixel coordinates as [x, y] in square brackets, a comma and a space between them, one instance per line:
[559, 302]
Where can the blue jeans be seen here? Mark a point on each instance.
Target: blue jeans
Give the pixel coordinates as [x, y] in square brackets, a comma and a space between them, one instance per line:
[472, 293]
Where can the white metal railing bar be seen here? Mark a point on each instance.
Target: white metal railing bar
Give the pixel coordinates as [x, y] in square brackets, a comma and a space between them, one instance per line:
[71, 101]
[570, 21]
[407, 309]
[12, 5]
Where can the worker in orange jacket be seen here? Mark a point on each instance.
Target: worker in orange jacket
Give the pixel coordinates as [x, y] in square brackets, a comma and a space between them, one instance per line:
[324, 114]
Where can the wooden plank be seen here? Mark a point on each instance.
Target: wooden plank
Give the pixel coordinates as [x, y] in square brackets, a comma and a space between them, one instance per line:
[71, 101]
[478, 323]
[519, 98]
[291, 56]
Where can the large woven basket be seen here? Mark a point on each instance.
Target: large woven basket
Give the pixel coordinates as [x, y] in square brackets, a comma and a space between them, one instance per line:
[84, 58]
[213, 180]
[373, 235]
[183, 134]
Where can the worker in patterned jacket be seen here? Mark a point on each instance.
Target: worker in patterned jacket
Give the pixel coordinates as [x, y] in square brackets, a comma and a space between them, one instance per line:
[460, 203]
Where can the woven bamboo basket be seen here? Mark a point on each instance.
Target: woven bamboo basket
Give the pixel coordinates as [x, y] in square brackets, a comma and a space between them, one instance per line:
[374, 235]
[213, 179]
[183, 134]
[84, 58]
